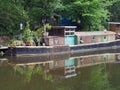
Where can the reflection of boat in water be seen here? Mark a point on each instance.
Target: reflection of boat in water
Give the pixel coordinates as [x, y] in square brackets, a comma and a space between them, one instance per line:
[70, 72]
[69, 66]
[32, 60]
[91, 60]
[63, 66]
[3, 61]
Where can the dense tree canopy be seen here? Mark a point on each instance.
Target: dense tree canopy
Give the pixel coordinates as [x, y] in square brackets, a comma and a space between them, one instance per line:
[115, 11]
[10, 17]
[91, 14]
[88, 14]
[39, 9]
[14, 12]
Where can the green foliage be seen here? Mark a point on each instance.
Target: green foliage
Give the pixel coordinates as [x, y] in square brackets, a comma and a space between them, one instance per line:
[14, 43]
[27, 37]
[115, 11]
[39, 30]
[47, 26]
[91, 13]
[13, 12]
[39, 9]
[10, 16]
[35, 36]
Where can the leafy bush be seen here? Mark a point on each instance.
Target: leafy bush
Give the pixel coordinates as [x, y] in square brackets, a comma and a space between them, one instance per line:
[27, 37]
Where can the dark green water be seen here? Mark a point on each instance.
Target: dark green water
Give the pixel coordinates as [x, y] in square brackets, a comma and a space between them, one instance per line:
[93, 72]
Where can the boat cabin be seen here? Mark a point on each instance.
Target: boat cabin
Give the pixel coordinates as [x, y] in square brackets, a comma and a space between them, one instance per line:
[115, 27]
[95, 37]
[62, 35]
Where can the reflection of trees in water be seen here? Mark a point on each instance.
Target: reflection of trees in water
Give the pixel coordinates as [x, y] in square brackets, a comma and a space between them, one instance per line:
[24, 78]
[114, 70]
[92, 78]
[28, 71]
[37, 77]
[98, 79]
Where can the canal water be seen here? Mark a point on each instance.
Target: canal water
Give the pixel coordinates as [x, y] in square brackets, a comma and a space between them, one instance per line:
[97, 71]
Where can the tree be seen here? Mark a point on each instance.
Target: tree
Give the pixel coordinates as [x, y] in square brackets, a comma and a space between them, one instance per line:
[41, 9]
[13, 12]
[115, 11]
[11, 15]
[92, 14]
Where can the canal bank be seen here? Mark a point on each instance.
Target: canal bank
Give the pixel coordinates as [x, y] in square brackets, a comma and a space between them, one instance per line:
[62, 49]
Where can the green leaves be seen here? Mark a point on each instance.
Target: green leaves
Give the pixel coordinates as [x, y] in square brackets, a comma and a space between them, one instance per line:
[115, 10]
[10, 17]
[27, 34]
[91, 13]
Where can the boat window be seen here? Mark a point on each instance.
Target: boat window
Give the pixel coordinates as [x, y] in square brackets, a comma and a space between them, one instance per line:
[104, 37]
[93, 39]
[81, 61]
[118, 26]
[81, 40]
[69, 33]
